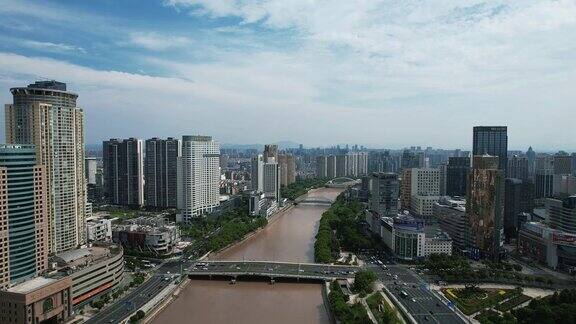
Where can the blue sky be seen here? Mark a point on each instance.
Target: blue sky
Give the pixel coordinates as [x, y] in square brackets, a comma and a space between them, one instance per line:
[384, 73]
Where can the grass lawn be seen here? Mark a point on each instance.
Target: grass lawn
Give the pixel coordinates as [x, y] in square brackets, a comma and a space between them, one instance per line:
[471, 300]
[381, 310]
[124, 214]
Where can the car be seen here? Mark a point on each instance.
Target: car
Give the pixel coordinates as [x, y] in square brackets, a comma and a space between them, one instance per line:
[438, 305]
[431, 312]
[413, 300]
[426, 318]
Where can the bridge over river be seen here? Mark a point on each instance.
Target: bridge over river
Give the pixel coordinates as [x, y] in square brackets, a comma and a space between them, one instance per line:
[270, 270]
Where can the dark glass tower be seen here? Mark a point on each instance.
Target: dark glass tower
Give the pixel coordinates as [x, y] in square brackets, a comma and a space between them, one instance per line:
[456, 176]
[160, 172]
[492, 140]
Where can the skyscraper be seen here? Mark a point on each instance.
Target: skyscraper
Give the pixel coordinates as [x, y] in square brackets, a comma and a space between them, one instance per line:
[544, 174]
[492, 140]
[23, 215]
[45, 114]
[485, 205]
[198, 177]
[518, 198]
[257, 173]
[160, 172]
[123, 172]
[456, 176]
[270, 151]
[287, 169]
[518, 167]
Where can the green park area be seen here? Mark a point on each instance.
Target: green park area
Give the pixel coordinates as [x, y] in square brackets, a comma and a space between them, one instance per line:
[472, 299]
[382, 311]
[346, 313]
[341, 227]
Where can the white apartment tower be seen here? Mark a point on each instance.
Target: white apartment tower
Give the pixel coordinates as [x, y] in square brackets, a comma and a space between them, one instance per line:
[46, 115]
[198, 177]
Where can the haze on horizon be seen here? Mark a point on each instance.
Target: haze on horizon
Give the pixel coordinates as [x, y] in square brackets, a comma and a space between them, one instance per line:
[379, 73]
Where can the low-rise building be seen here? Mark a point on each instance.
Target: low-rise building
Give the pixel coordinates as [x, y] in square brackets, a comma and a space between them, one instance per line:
[93, 270]
[38, 300]
[261, 205]
[99, 229]
[423, 206]
[411, 239]
[147, 234]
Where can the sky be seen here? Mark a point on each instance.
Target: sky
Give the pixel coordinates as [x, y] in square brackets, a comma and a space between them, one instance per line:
[381, 73]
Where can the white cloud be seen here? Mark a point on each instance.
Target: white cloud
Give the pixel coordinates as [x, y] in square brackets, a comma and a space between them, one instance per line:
[158, 42]
[53, 47]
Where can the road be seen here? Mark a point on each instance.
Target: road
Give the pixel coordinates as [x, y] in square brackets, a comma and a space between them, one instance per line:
[421, 303]
[273, 269]
[139, 296]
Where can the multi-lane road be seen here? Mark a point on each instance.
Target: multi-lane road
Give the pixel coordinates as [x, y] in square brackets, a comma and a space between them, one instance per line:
[128, 304]
[273, 269]
[413, 293]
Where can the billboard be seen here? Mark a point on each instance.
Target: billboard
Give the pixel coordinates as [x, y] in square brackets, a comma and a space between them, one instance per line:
[563, 238]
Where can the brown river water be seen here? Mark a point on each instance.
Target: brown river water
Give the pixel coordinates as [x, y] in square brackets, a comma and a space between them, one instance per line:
[290, 237]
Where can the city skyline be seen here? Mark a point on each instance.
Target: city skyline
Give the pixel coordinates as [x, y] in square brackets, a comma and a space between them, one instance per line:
[315, 73]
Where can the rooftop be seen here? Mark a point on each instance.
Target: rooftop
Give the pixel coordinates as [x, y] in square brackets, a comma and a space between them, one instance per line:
[31, 285]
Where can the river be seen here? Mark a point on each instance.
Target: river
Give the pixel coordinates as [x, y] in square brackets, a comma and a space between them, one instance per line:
[290, 237]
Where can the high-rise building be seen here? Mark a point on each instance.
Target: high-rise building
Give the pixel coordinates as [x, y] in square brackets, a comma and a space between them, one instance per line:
[562, 164]
[257, 174]
[160, 172]
[198, 177]
[341, 165]
[518, 198]
[485, 205]
[271, 181]
[492, 140]
[23, 215]
[321, 166]
[406, 189]
[45, 114]
[384, 189]
[456, 176]
[270, 152]
[424, 191]
[287, 169]
[91, 168]
[123, 172]
[518, 168]
[544, 174]
[531, 156]
[331, 166]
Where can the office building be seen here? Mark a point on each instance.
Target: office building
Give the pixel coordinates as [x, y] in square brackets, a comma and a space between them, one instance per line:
[492, 140]
[518, 199]
[45, 114]
[518, 168]
[424, 191]
[564, 185]
[450, 213]
[544, 176]
[485, 205]
[257, 173]
[384, 190]
[271, 183]
[456, 176]
[562, 164]
[198, 177]
[123, 172]
[24, 245]
[270, 152]
[160, 172]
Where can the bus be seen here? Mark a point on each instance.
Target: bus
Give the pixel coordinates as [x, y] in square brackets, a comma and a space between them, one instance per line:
[403, 294]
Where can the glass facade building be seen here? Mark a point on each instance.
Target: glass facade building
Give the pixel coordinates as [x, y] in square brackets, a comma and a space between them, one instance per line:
[492, 140]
